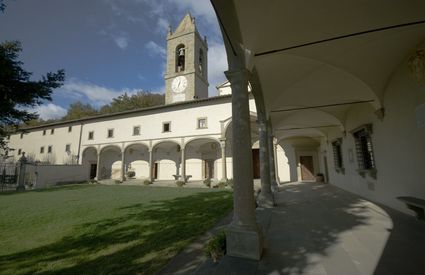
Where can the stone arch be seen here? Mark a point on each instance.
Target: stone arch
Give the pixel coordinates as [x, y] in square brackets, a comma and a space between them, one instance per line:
[136, 160]
[110, 162]
[166, 158]
[89, 161]
[203, 158]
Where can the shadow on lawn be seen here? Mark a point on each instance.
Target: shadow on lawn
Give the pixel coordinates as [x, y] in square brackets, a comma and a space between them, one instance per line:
[141, 240]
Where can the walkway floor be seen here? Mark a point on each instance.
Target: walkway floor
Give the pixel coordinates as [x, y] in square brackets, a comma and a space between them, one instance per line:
[320, 229]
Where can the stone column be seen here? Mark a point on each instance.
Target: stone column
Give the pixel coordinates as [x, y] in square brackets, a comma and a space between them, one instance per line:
[122, 163]
[98, 164]
[273, 182]
[223, 160]
[151, 164]
[21, 176]
[265, 198]
[243, 235]
[183, 164]
[276, 163]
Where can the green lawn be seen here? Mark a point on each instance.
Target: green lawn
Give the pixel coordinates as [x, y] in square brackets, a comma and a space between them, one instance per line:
[103, 229]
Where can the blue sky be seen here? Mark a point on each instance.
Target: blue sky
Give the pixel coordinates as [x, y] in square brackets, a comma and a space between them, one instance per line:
[107, 47]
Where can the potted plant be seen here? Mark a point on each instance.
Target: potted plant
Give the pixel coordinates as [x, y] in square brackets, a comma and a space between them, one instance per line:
[216, 246]
[320, 177]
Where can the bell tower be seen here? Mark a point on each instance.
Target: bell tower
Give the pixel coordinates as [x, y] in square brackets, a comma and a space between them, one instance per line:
[186, 77]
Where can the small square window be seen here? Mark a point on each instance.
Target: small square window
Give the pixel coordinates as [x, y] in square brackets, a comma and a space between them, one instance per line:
[44, 132]
[166, 127]
[22, 135]
[202, 123]
[42, 150]
[19, 151]
[136, 131]
[49, 149]
[91, 135]
[52, 131]
[68, 148]
[110, 133]
[69, 129]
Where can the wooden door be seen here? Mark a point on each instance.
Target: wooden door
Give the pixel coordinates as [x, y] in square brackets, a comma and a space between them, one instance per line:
[307, 168]
[256, 163]
[93, 168]
[155, 170]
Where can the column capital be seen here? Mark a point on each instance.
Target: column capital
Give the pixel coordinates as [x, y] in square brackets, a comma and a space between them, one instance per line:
[233, 75]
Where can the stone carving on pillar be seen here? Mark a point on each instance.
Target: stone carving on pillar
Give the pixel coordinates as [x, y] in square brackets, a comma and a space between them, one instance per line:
[223, 160]
[243, 237]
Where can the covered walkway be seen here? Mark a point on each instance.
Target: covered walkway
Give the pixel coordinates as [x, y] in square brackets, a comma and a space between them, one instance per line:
[320, 229]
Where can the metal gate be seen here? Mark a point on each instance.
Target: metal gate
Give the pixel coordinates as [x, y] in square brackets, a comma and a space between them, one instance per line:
[8, 175]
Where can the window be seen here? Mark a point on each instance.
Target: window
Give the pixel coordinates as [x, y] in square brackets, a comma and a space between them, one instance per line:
[201, 62]
[69, 129]
[202, 123]
[110, 133]
[42, 150]
[68, 148]
[22, 135]
[44, 132]
[166, 127]
[136, 130]
[337, 151]
[364, 150]
[52, 131]
[49, 149]
[19, 151]
[91, 135]
[180, 58]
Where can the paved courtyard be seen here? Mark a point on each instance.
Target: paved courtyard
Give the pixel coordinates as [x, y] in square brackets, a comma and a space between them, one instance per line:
[320, 229]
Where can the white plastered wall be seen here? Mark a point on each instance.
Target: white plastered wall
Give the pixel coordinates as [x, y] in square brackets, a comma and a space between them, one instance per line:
[398, 143]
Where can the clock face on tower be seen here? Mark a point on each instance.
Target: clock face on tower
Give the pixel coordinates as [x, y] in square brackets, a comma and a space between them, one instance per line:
[179, 84]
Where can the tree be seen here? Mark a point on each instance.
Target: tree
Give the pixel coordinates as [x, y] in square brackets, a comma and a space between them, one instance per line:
[18, 93]
[79, 110]
[139, 100]
[2, 6]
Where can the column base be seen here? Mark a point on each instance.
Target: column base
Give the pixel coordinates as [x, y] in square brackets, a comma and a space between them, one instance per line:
[244, 243]
[20, 188]
[265, 200]
[275, 186]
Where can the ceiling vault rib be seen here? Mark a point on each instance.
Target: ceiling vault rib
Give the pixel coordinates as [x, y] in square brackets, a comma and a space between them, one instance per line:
[309, 127]
[341, 37]
[323, 106]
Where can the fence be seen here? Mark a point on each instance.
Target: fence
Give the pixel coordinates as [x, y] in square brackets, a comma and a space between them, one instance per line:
[8, 175]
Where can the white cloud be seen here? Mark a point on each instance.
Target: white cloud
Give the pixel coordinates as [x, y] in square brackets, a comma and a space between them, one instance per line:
[96, 94]
[50, 111]
[162, 25]
[203, 9]
[154, 49]
[217, 64]
[121, 41]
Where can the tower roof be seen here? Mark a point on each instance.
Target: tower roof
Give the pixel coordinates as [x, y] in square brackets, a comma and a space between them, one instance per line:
[186, 25]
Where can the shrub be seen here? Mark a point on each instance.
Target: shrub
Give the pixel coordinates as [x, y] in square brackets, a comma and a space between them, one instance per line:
[131, 174]
[221, 184]
[147, 182]
[207, 182]
[230, 183]
[216, 246]
[180, 183]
